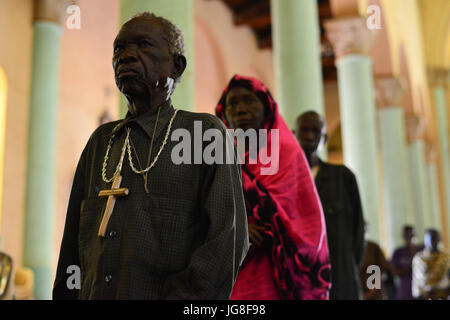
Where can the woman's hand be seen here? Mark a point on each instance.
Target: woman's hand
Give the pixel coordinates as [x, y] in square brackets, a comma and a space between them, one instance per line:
[256, 234]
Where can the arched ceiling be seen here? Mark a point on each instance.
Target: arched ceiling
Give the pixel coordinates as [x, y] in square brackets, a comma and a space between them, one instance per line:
[435, 16]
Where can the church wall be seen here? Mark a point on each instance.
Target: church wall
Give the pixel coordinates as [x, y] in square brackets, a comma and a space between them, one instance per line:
[222, 50]
[16, 36]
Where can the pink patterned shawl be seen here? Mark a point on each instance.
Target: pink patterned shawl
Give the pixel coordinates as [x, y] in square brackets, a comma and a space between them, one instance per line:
[288, 204]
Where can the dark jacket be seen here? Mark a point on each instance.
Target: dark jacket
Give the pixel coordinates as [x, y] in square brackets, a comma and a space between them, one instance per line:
[184, 240]
[338, 191]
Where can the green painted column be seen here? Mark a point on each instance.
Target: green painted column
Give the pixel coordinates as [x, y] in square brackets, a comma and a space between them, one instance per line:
[420, 188]
[397, 193]
[181, 13]
[434, 193]
[41, 164]
[297, 59]
[351, 41]
[441, 114]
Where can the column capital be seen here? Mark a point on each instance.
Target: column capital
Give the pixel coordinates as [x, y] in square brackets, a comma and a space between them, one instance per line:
[350, 36]
[415, 127]
[431, 151]
[51, 10]
[389, 91]
[438, 77]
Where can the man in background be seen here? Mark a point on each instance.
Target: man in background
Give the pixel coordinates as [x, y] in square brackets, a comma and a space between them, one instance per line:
[338, 192]
[430, 270]
[402, 263]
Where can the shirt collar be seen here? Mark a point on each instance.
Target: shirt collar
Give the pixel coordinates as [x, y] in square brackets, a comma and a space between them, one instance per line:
[147, 120]
[322, 173]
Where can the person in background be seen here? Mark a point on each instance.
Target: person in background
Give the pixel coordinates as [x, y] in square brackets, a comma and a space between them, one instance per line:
[430, 270]
[373, 256]
[338, 191]
[288, 257]
[401, 263]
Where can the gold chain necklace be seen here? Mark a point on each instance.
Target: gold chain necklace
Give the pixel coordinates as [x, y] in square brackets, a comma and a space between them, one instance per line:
[130, 158]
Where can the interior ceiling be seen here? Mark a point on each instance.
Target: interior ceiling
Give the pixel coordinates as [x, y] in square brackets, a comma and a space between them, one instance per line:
[256, 15]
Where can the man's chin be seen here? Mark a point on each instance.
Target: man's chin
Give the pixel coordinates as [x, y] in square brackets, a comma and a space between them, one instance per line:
[308, 149]
[131, 87]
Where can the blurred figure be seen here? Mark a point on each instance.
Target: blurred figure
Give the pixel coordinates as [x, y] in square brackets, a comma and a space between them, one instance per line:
[6, 276]
[401, 263]
[430, 270]
[338, 191]
[373, 256]
[24, 284]
[288, 256]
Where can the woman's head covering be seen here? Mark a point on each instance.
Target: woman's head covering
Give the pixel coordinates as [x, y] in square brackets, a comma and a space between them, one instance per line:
[287, 202]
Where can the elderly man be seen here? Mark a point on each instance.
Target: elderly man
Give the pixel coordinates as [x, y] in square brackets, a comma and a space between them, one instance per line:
[138, 225]
[338, 192]
[431, 270]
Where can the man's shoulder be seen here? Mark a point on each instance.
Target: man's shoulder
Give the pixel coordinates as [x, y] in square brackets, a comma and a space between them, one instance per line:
[208, 120]
[102, 132]
[105, 129]
[340, 168]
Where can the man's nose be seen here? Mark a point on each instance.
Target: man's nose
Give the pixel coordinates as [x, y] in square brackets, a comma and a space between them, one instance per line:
[128, 55]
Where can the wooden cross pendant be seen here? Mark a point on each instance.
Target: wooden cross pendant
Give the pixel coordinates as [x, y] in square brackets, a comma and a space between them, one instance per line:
[115, 191]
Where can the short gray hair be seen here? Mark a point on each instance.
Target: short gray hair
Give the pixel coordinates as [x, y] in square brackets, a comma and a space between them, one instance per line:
[174, 34]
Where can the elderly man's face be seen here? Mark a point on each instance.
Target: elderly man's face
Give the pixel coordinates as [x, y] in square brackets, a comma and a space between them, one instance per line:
[141, 57]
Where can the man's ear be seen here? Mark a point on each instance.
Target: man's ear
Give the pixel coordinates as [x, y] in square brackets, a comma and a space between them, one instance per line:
[179, 63]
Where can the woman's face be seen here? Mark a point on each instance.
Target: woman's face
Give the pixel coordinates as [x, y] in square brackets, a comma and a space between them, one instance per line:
[243, 109]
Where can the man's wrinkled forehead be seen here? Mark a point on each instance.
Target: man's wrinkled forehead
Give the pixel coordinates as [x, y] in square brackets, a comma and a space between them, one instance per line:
[141, 27]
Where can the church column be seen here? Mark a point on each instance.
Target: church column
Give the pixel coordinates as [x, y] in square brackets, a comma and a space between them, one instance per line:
[181, 13]
[297, 62]
[433, 183]
[439, 79]
[419, 175]
[41, 162]
[396, 175]
[351, 41]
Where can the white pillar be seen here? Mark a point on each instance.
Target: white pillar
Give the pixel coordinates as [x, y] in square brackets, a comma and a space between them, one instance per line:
[297, 59]
[419, 174]
[351, 40]
[397, 192]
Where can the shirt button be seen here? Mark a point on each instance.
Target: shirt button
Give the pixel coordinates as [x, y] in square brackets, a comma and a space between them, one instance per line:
[108, 278]
[112, 234]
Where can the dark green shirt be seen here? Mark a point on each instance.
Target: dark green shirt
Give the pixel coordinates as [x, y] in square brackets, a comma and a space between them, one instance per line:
[185, 239]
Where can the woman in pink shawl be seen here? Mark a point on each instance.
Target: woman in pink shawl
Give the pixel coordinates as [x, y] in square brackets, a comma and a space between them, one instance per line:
[288, 258]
